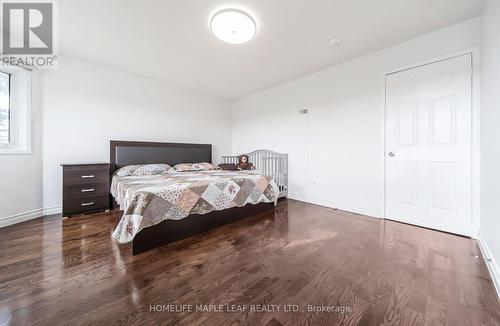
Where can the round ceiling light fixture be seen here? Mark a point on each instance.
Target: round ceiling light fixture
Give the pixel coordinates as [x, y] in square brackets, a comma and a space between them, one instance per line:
[233, 26]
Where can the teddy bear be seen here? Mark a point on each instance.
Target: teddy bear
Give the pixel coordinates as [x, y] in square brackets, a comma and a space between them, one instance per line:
[243, 163]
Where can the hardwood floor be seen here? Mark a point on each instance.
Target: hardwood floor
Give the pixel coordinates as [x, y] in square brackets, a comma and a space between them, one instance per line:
[55, 271]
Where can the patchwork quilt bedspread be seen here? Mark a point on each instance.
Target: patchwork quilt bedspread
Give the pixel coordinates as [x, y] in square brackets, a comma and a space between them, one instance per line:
[148, 200]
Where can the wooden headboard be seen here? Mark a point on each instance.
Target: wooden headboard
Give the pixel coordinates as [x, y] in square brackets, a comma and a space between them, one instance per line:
[123, 153]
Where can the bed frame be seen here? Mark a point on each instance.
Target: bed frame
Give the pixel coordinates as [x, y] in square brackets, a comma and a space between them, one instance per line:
[123, 153]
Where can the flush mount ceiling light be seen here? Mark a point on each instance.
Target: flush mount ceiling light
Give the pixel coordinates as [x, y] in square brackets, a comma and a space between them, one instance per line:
[233, 26]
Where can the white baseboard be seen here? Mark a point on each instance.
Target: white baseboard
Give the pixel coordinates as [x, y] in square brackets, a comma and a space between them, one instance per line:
[490, 263]
[21, 217]
[52, 210]
[350, 208]
[36, 213]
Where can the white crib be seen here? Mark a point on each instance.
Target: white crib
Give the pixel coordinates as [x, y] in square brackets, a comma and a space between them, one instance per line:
[268, 163]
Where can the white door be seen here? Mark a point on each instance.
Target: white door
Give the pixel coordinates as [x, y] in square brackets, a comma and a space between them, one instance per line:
[428, 145]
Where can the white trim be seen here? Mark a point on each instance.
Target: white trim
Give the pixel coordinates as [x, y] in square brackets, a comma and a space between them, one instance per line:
[475, 150]
[473, 51]
[21, 217]
[476, 147]
[26, 216]
[52, 210]
[490, 263]
[345, 207]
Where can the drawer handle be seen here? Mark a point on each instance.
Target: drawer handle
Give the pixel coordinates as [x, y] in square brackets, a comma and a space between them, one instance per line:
[88, 204]
[88, 176]
[88, 190]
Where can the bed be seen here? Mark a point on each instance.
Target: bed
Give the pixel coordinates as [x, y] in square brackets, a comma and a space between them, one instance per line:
[159, 209]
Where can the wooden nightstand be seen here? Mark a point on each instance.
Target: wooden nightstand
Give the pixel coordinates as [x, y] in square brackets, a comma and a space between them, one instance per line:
[85, 188]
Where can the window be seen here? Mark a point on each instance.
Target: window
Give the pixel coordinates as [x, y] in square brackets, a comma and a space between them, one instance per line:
[4, 108]
[15, 110]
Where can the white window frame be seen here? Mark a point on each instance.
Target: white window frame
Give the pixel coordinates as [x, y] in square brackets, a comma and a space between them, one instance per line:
[20, 111]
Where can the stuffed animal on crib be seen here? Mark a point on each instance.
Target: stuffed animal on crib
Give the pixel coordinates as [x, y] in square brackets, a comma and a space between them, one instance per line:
[243, 163]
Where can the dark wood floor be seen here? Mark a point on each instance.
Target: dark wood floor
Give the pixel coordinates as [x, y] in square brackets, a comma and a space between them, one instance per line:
[55, 271]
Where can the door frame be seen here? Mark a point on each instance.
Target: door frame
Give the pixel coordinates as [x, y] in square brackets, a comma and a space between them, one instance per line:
[475, 146]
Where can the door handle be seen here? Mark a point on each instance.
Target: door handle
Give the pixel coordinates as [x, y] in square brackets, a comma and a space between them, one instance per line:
[391, 154]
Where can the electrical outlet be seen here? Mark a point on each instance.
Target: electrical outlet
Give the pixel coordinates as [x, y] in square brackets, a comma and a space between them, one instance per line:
[303, 111]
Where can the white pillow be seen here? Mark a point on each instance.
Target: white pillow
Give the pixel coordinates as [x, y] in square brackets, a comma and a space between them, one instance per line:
[143, 169]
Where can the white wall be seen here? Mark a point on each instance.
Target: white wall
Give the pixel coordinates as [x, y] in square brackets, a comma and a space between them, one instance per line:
[336, 151]
[85, 106]
[490, 137]
[21, 175]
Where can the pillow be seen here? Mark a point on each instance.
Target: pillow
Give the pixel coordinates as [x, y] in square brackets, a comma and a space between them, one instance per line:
[145, 169]
[204, 166]
[228, 166]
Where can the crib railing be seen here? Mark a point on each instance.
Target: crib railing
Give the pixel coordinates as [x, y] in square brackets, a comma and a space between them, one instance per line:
[268, 163]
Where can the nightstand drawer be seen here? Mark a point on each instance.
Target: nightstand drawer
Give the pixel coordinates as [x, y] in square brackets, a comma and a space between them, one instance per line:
[86, 189]
[85, 175]
[75, 205]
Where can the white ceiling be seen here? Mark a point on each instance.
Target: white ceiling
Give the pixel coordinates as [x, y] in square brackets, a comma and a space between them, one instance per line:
[171, 41]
